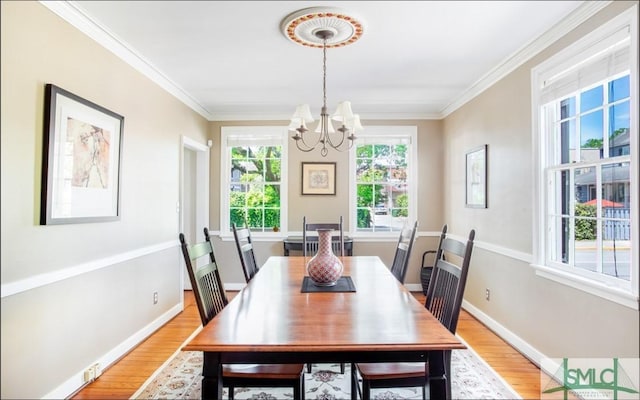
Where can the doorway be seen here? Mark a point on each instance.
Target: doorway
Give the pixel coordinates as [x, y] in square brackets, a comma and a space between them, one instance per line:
[194, 210]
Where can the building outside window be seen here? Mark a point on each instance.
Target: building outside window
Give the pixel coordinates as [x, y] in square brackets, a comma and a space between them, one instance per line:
[254, 180]
[383, 173]
[587, 213]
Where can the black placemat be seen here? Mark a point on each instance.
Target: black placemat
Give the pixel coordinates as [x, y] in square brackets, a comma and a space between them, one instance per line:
[344, 284]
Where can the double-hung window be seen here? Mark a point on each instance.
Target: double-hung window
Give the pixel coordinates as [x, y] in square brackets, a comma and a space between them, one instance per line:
[586, 125]
[253, 178]
[383, 180]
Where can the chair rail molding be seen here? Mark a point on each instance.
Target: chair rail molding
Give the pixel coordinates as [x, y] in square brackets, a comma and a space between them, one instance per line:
[33, 282]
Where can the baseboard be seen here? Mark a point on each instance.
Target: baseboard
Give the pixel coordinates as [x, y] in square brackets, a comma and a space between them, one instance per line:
[76, 382]
[527, 350]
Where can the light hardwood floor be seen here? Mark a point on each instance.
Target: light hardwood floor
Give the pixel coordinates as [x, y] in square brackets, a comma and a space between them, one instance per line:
[122, 379]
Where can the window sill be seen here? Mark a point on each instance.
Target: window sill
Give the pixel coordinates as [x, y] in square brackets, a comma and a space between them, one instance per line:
[610, 293]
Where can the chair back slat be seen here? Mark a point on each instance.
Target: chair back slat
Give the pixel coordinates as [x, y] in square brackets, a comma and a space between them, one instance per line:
[205, 280]
[454, 247]
[310, 242]
[245, 251]
[199, 249]
[403, 252]
[448, 280]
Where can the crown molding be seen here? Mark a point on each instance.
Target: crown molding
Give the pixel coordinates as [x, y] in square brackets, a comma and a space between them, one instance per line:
[578, 16]
[231, 116]
[68, 11]
[73, 15]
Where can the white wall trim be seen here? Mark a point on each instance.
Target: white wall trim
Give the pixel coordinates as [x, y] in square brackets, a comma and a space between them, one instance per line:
[615, 294]
[533, 354]
[11, 288]
[76, 381]
[503, 251]
[110, 41]
[581, 14]
[73, 15]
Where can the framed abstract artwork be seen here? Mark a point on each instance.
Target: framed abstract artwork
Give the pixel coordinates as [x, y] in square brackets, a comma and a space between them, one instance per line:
[81, 165]
[476, 177]
[318, 178]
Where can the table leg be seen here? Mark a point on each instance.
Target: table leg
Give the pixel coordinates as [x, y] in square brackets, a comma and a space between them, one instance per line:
[212, 376]
[439, 374]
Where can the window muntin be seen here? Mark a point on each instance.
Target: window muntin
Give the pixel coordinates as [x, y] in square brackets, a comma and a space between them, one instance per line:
[589, 207]
[384, 176]
[253, 179]
[255, 187]
[607, 58]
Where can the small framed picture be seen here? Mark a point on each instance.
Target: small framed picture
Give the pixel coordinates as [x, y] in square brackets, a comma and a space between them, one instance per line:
[476, 177]
[81, 171]
[318, 178]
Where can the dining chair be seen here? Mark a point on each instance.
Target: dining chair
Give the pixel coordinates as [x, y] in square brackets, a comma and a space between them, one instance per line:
[444, 299]
[403, 251]
[310, 246]
[245, 251]
[211, 299]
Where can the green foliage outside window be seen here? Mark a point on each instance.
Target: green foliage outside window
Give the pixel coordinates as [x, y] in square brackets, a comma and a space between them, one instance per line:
[255, 187]
[585, 228]
[378, 168]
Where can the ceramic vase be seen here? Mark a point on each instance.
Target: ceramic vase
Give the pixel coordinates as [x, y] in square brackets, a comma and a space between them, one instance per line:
[324, 268]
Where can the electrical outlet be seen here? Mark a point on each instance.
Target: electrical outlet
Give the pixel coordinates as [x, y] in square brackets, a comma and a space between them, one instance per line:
[155, 297]
[97, 370]
[487, 294]
[90, 374]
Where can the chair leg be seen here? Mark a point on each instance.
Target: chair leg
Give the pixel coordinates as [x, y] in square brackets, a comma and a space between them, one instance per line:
[354, 382]
[342, 368]
[231, 392]
[309, 368]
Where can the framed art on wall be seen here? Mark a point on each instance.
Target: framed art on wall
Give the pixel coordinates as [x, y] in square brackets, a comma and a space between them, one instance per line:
[81, 166]
[319, 178]
[476, 177]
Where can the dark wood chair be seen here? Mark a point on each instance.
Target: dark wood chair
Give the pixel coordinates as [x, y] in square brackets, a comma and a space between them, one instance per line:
[310, 242]
[211, 299]
[310, 247]
[245, 251]
[403, 252]
[444, 299]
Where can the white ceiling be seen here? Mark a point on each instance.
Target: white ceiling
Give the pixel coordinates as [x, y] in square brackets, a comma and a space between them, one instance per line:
[228, 60]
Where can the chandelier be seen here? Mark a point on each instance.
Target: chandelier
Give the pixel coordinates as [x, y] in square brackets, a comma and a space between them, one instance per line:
[323, 27]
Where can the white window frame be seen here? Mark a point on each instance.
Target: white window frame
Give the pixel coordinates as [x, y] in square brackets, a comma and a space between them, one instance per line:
[625, 293]
[252, 133]
[402, 131]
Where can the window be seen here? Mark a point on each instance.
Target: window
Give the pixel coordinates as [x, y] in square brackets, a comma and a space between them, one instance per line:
[253, 179]
[588, 164]
[383, 176]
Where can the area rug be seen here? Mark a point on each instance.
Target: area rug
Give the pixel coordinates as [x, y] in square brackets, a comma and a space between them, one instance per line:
[180, 378]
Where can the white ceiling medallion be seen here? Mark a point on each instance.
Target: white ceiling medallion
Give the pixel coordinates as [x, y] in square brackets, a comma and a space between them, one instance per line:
[301, 27]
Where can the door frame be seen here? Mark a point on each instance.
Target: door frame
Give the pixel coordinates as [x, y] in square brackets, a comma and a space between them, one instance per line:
[201, 192]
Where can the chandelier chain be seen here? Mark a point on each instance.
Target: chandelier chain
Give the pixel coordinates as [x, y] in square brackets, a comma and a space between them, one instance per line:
[324, 72]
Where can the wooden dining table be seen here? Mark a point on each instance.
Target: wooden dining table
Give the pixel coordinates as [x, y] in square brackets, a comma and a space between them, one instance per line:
[272, 321]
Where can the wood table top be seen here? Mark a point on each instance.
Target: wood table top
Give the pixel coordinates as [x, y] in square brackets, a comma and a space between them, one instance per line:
[271, 314]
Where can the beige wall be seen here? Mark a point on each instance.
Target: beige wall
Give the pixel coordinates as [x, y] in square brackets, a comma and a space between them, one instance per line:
[555, 319]
[53, 332]
[328, 208]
